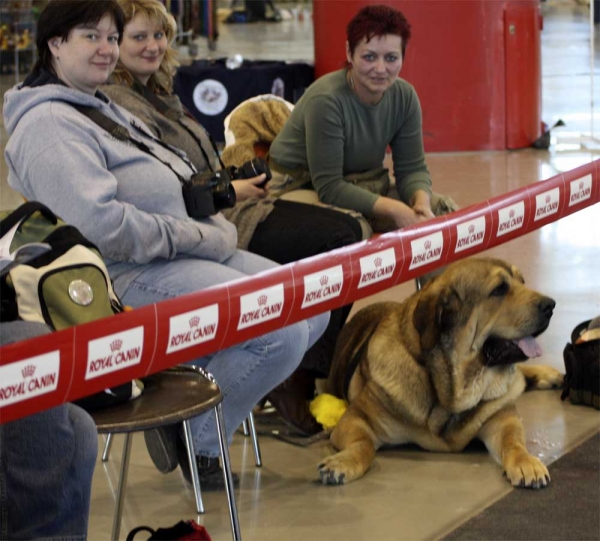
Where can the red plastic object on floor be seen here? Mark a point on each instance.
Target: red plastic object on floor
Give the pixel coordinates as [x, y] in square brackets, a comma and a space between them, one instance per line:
[188, 530]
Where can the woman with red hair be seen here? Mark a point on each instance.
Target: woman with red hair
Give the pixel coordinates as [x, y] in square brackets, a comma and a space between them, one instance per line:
[337, 135]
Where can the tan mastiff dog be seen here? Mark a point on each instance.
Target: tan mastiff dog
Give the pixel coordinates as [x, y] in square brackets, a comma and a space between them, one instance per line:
[439, 370]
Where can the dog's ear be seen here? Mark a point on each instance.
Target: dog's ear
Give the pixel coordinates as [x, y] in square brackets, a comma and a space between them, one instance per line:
[448, 310]
[424, 319]
[436, 313]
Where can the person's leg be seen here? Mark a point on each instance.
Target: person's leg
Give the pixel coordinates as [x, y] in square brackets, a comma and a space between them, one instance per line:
[15, 331]
[245, 372]
[294, 231]
[308, 230]
[46, 466]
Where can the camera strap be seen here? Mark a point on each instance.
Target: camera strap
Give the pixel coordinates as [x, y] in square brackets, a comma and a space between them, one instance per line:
[171, 114]
[122, 134]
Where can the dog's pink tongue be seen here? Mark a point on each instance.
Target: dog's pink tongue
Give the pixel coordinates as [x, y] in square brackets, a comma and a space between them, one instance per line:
[529, 346]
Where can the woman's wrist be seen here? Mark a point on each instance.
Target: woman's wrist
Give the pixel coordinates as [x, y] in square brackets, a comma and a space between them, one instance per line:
[421, 205]
[420, 198]
[400, 213]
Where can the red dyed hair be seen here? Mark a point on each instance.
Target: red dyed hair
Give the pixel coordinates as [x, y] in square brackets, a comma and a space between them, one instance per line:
[377, 21]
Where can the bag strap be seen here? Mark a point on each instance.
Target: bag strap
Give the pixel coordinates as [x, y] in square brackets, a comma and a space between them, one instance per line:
[122, 134]
[156, 102]
[167, 112]
[25, 211]
[135, 531]
[116, 130]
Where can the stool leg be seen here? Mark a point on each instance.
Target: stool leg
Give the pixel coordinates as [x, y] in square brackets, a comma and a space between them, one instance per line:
[107, 447]
[250, 421]
[189, 444]
[245, 428]
[235, 525]
[122, 485]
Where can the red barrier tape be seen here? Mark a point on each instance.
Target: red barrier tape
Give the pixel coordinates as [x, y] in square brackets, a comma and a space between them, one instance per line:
[41, 373]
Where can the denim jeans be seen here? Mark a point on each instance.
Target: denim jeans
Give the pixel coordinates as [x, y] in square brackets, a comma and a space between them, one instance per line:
[245, 372]
[46, 466]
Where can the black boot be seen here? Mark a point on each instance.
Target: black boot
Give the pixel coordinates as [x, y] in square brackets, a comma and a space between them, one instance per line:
[162, 446]
[210, 472]
[291, 399]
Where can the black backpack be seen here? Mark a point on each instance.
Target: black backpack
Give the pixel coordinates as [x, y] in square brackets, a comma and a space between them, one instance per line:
[582, 365]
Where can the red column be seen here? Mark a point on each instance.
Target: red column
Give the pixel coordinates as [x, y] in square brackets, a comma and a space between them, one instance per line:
[522, 26]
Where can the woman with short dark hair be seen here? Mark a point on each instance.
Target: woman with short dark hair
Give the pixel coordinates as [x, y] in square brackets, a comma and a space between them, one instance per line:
[337, 135]
[122, 188]
[58, 22]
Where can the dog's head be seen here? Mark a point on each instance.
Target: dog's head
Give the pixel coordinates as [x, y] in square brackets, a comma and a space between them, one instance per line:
[481, 307]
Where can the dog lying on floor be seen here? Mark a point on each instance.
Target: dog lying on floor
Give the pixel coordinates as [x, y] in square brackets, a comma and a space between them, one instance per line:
[439, 370]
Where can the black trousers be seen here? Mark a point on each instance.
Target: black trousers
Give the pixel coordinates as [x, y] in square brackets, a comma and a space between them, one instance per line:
[294, 231]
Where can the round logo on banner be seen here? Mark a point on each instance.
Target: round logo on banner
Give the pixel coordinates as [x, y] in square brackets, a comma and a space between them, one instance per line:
[210, 97]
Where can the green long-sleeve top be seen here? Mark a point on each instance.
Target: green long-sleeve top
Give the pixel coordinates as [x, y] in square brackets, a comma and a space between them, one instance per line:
[332, 134]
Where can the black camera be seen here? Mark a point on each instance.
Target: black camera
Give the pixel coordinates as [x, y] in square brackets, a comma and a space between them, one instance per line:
[207, 193]
[253, 168]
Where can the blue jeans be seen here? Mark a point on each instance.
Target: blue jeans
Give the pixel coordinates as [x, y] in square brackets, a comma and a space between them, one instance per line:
[46, 465]
[245, 372]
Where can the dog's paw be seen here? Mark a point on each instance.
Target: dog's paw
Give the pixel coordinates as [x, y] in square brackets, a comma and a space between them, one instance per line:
[331, 471]
[339, 469]
[526, 471]
[546, 377]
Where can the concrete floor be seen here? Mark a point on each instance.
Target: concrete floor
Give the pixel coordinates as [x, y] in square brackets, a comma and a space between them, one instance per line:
[408, 494]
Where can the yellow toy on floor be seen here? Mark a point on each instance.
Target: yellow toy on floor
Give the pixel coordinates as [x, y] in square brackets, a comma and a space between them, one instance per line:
[327, 410]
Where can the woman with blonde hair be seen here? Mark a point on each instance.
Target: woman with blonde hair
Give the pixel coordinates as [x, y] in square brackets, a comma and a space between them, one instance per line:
[282, 231]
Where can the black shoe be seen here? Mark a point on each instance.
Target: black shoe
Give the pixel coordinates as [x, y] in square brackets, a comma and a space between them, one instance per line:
[210, 472]
[290, 399]
[162, 446]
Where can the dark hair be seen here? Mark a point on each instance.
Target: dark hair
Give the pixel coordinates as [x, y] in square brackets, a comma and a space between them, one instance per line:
[378, 21]
[59, 17]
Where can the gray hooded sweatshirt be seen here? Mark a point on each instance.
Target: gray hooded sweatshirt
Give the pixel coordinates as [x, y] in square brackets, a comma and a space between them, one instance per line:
[125, 201]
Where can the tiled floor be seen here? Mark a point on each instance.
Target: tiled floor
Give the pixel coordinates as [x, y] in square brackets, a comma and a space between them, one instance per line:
[409, 494]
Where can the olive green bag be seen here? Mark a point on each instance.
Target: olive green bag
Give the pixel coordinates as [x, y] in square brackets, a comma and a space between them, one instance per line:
[50, 273]
[376, 181]
[66, 284]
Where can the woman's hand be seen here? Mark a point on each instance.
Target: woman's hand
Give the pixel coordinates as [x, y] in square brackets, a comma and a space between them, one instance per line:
[248, 188]
[401, 214]
[423, 212]
[421, 204]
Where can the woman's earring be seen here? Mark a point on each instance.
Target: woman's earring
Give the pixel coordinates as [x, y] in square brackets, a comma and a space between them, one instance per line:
[54, 43]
